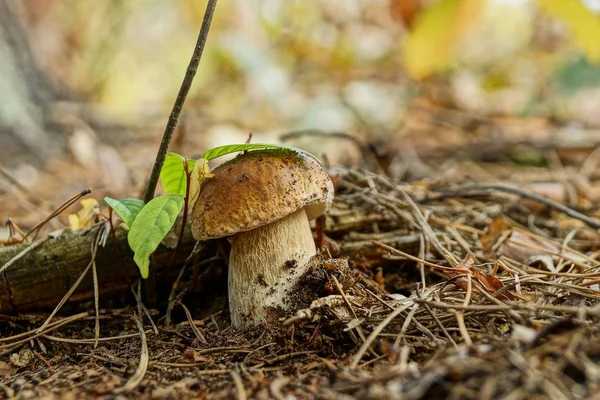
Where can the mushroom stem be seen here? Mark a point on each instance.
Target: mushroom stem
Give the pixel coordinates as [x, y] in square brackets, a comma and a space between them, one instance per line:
[265, 263]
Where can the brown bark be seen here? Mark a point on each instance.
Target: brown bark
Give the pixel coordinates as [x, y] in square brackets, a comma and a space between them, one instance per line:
[40, 278]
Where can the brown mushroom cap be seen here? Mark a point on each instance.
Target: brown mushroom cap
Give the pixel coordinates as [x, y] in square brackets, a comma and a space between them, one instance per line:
[257, 188]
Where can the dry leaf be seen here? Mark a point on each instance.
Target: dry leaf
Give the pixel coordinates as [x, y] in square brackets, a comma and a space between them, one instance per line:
[467, 267]
[583, 24]
[200, 173]
[6, 369]
[522, 245]
[436, 32]
[405, 11]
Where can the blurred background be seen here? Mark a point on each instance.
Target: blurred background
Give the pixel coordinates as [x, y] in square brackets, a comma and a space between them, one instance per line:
[415, 89]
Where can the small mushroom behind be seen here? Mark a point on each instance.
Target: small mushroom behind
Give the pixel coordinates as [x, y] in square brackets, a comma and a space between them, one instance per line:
[264, 199]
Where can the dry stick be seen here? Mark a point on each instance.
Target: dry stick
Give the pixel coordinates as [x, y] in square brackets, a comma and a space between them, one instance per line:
[406, 324]
[460, 319]
[67, 295]
[140, 372]
[436, 319]
[239, 385]
[527, 269]
[283, 357]
[32, 332]
[416, 259]
[367, 343]
[140, 305]
[227, 349]
[138, 294]
[422, 257]
[173, 296]
[360, 331]
[418, 325]
[60, 209]
[96, 300]
[544, 200]
[91, 341]
[62, 322]
[13, 229]
[493, 298]
[181, 96]
[195, 329]
[429, 232]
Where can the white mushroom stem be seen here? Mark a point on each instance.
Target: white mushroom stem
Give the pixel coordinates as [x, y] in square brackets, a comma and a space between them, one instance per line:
[265, 263]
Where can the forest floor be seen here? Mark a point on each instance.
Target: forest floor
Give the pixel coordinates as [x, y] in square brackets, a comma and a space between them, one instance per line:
[477, 279]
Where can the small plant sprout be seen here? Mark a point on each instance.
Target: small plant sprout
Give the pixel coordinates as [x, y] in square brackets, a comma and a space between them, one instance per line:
[182, 179]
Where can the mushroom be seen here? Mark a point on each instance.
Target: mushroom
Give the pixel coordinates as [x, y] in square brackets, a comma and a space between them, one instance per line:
[264, 200]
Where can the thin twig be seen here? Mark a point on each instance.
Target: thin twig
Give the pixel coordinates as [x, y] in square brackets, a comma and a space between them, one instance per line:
[96, 301]
[140, 372]
[173, 295]
[95, 242]
[416, 259]
[91, 341]
[436, 319]
[50, 328]
[360, 331]
[239, 385]
[539, 198]
[367, 343]
[195, 329]
[181, 96]
[59, 210]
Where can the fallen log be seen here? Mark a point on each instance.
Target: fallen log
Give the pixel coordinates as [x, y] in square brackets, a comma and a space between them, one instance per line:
[39, 278]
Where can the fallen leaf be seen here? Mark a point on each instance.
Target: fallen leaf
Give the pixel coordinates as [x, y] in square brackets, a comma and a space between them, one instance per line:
[488, 281]
[405, 11]
[522, 245]
[581, 21]
[437, 30]
[6, 369]
[200, 173]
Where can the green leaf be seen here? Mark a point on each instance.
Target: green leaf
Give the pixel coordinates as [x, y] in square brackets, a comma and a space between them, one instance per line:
[151, 226]
[578, 74]
[234, 148]
[127, 209]
[172, 174]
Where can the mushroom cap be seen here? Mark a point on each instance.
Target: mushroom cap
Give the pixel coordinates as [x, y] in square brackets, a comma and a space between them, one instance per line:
[257, 188]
